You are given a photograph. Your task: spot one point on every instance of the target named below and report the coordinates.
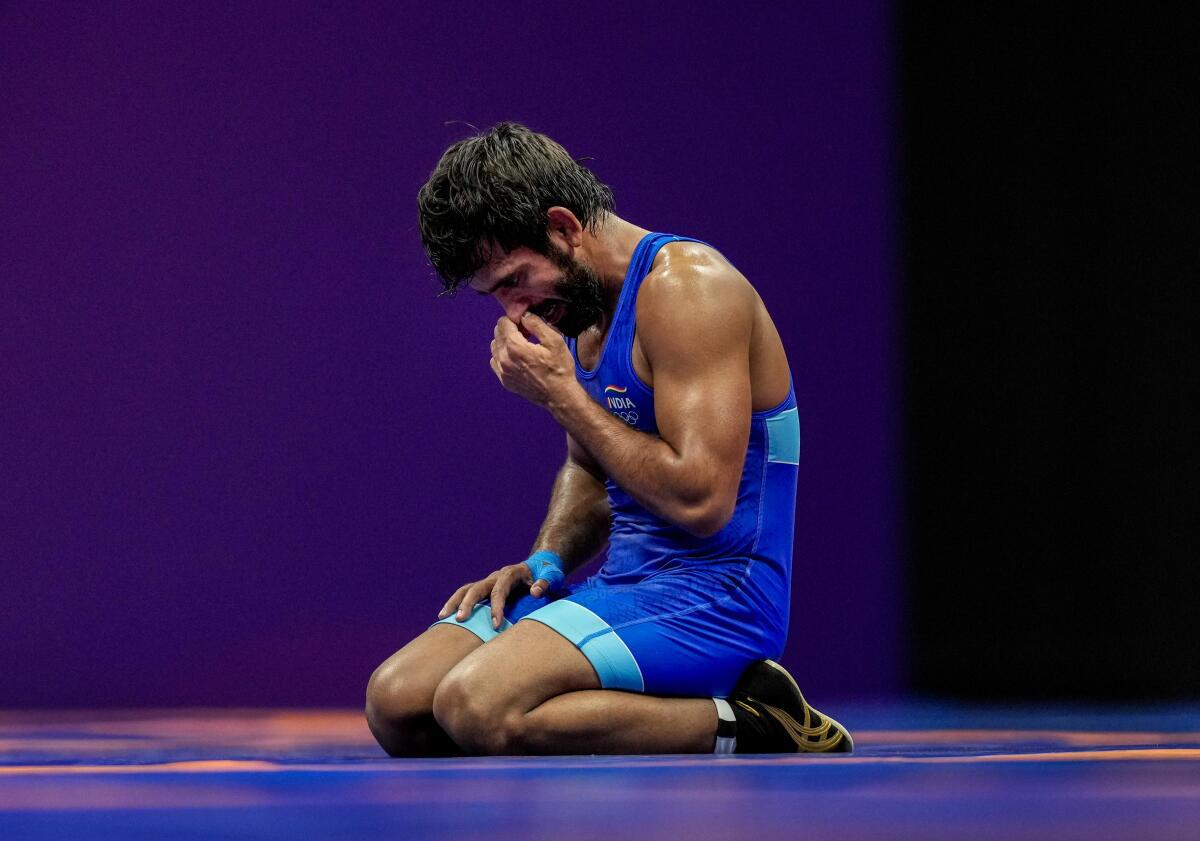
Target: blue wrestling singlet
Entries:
(669, 613)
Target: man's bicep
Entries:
(703, 412)
(699, 351)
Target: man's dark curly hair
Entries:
(495, 188)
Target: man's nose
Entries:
(514, 308)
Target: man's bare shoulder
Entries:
(697, 277)
(692, 294)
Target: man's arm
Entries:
(576, 528)
(695, 330)
(578, 518)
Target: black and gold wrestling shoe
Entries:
(773, 717)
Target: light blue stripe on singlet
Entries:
(610, 657)
(478, 623)
(783, 438)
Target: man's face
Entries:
(558, 289)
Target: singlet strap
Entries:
(639, 267)
(620, 330)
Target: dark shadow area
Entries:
(1050, 235)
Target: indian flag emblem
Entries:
(614, 398)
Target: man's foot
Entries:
(773, 717)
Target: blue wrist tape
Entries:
(547, 567)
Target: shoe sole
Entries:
(849, 740)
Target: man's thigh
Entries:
(685, 635)
(521, 668)
(407, 680)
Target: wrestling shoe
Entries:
(773, 717)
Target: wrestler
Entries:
(659, 360)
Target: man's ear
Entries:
(564, 227)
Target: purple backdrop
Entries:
(246, 453)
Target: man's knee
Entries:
(396, 693)
(469, 715)
(399, 710)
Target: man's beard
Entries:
(579, 294)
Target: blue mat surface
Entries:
(925, 771)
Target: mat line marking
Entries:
(262, 766)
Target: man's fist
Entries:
(540, 372)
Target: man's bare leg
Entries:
(400, 692)
(612, 721)
(531, 691)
